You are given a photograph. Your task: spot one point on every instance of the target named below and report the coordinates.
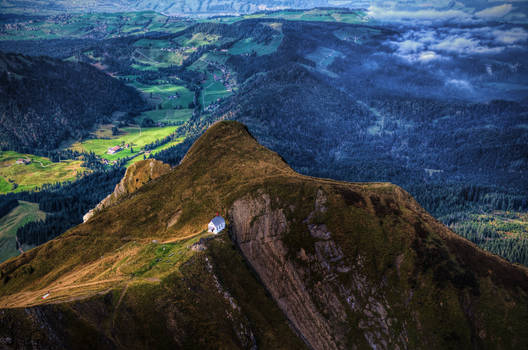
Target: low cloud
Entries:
(408, 46)
(464, 45)
(460, 84)
(417, 11)
(495, 12)
(432, 44)
(429, 14)
(510, 36)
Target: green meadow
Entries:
(213, 89)
(136, 137)
(25, 212)
(166, 115)
(168, 95)
(249, 45)
(316, 15)
(154, 151)
(105, 25)
(40, 171)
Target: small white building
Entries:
(216, 225)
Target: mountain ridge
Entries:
(348, 265)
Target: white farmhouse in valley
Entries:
(216, 225)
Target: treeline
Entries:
(468, 210)
(65, 204)
(173, 155)
(513, 249)
(6, 205)
(451, 201)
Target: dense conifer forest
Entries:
(65, 204)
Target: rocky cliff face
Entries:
(332, 294)
(308, 287)
(136, 176)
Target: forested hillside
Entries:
(65, 204)
(44, 101)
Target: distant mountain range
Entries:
(438, 9)
(166, 6)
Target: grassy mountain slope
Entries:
(348, 265)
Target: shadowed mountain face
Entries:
(44, 101)
(306, 262)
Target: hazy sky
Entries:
(463, 10)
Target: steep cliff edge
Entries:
(135, 176)
(363, 266)
(341, 265)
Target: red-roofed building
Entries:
(114, 149)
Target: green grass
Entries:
(135, 136)
(40, 171)
(109, 25)
(156, 260)
(9, 224)
(112, 25)
(166, 115)
(154, 58)
(155, 150)
(318, 15)
(5, 186)
(198, 39)
(207, 59)
(168, 95)
(248, 45)
(213, 90)
(143, 68)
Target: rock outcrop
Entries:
(309, 288)
(135, 177)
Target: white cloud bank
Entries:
(495, 11)
(446, 10)
(510, 36)
(394, 14)
(464, 45)
(428, 45)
